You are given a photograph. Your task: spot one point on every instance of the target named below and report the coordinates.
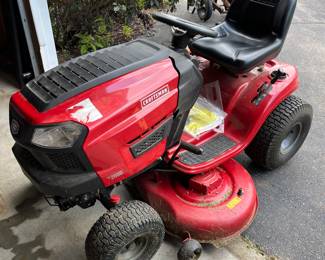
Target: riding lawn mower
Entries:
(117, 116)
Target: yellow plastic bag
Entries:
(203, 117)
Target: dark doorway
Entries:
(14, 54)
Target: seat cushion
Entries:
(237, 52)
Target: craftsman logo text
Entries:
(154, 96)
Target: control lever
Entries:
(277, 74)
(191, 148)
(264, 90)
(186, 146)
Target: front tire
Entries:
(282, 134)
(132, 230)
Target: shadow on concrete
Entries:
(26, 210)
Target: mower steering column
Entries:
(191, 28)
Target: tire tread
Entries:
(261, 148)
(116, 225)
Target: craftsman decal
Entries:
(155, 95)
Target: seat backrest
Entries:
(260, 18)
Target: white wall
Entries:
(42, 22)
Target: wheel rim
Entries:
(202, 12)
(291, 139)
(134, 249)
(197, 253)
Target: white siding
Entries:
(44, 33)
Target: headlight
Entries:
(60, 136)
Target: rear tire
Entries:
(131, 230)
(205, 10)
(282, 134)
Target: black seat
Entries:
(253, 33)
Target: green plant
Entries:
(100, 38)
(127, 31)
(80, 26)
(172, 4)
(119, 8)
(141, 4)
(100, 25)
(88, 43)
(102, 35)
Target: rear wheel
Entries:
(282, 134)
(205, 9)
(132, 230)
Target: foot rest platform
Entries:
(213, 148)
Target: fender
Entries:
(244, 118)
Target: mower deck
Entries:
(215, 205)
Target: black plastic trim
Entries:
(57, 184)
(74, 77)
(44, 154)
(149, 141)
(189, 86)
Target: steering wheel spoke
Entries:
(191, 28)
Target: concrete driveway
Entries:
(291, 220)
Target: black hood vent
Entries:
(82, 73)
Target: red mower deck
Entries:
(215, 205)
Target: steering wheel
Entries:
(191, 28)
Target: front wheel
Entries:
(190, 250)
(282, 134)
(132, 230)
